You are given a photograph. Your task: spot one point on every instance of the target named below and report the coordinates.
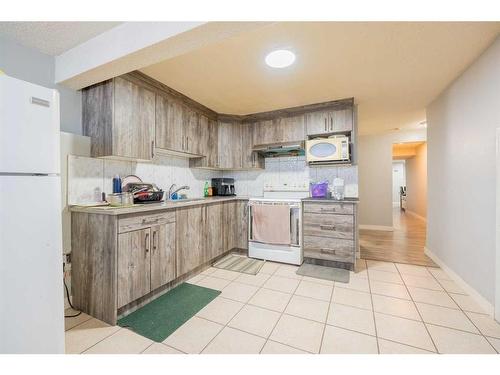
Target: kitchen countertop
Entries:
(151, 207)
(331, 200)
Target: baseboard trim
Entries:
(473, 293)
(377, 227)
(414, 214)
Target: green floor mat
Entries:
(160, 318)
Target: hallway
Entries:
(404, 245)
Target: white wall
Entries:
(375, 175)
(462, 123)
(35, 67)
(416, 182)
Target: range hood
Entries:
(281, 149)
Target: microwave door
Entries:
(322, 150)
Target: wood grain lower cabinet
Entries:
(120, 260)
(242, 225)
(134, 265)
(213, 232)
(189, 238)
(162, 255)
(330, 233)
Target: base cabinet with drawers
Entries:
(119, 261)
(330, 234)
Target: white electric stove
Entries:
(285, 253)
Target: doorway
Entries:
(406, 243)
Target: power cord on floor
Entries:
(69, 300)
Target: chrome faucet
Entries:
(171, 191)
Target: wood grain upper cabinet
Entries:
(208, 145)
(266, 132)
(291, 128)
(325, 122)
(193, 138)
(230, 143)
(189, 238)
(169, 124)
(119, 117)
(162, 254)
(250, 158)
(133, 265)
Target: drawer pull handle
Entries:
(145, 221)
(327, 227)
(328, 251)
(328, 209)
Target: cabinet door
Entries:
(189, 239)
(133, 120)
(133, 265)
(162, 254)
(192, 135)
(208, 130)
(266, 132)
(250, 159)
(242, 224)
(341, 120)
(213, 233)
(292, 128)
(318, 122)
(230, 225)
(230, 155)
(169, 124)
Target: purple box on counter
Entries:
(319, 190)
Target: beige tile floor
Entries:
(386, 308)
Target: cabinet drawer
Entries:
(328, 225)
(129, 223)
(329, 208)
(329, 249)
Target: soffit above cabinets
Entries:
(393, 69)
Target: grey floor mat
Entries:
(325, 273)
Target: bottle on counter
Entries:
(117, 184)
(205, 190)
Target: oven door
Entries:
(294, 216)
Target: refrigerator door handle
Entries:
(38, 101)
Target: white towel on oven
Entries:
(271, 224)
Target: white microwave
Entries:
(328, 150)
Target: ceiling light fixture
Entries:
(280, 58)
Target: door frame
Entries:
(497, 229)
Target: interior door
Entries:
(134, 265)
(162, 254)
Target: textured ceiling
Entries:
(53, 38)
(392, 69)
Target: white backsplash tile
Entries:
(88, 177)
(85, 179)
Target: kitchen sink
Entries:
(184, 200)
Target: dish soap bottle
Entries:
(205, 190)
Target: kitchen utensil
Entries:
(120, 199)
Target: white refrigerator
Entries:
(31, 288)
